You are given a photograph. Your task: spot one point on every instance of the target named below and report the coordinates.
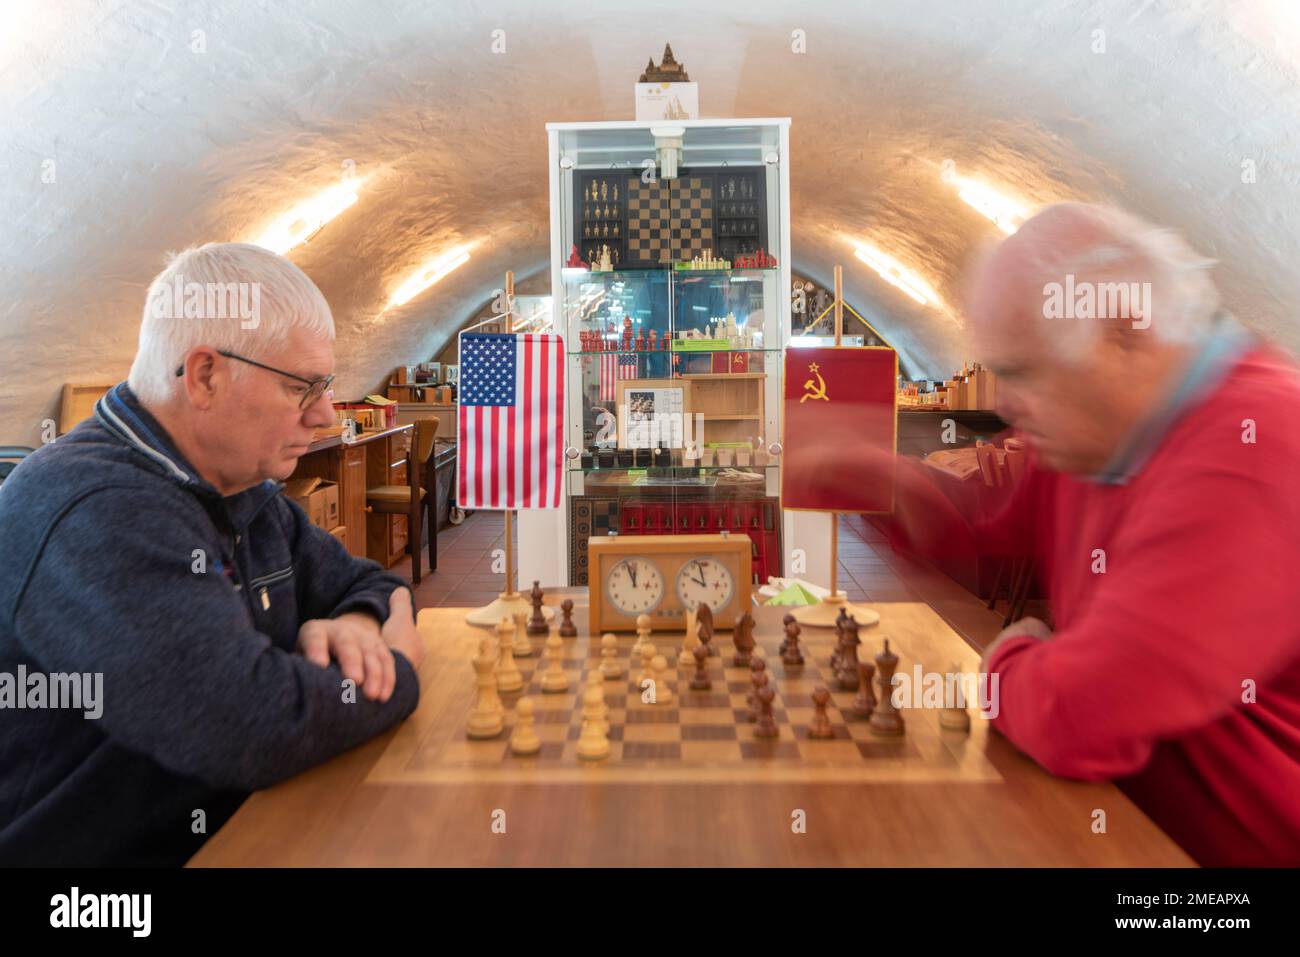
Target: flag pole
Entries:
(510, 602)
(825, 612)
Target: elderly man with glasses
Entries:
(236, 643)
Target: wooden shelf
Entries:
(717, 417)
(725, 375)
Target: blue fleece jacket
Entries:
(117, 558)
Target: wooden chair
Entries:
(418, 499)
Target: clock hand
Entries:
(700, 569)
(631, 571)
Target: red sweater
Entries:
(1144, 677)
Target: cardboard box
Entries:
(667, 101)
(310, 498)
(341, 533)
(329, 492)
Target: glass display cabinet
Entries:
(670, 283)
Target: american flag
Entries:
(511, 421)
(615, 366)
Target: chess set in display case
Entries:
(672, 294)
(718, 213)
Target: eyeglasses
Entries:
(315, 387)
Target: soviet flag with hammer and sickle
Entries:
(840, 407)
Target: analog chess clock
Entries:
(663, 575)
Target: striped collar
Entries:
(120, 412)
(1227, 342)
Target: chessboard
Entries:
(669, 220)
(698, 736)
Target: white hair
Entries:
(232, 296)
(1109, 247)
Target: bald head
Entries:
(1082, 313)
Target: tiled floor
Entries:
(869, 571)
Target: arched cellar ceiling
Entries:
(156, 146)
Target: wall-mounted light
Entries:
(896, 274)
(1004, 212)
(427, 275)
(305, 220)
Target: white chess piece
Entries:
(659, 672)
(487, 717)
(509, 677)
(524, 741)
(647, 655)
(523, 648)
(593, 745)
(594, 680)
(609, 666)
(554, 680)
(687, 658)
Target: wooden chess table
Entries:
(688, 783)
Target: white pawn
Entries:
(509, 677)
(687, 658)
(554, 680)
(659, 669)
(610, 667)
(594, 680)
(525, 740)
(642, 633)
(523, 648)
(593, 745)
(647, 655)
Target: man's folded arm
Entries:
(187, 679)
(1174, 632)
(330, 580)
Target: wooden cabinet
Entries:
(378, 459)
(352, 497)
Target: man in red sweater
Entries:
(1160, 509)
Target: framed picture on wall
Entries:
(451, 374)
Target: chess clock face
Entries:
(704, 581)
(634, 586)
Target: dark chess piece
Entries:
(537, 623)
(704, 616)
(765, 727)
(821, 722)
(885, 719)
(786, 620)
(701, 680)
(758, 677)
(567, 627)
(848, 672)
(742, 636)
(840, 619)
(865, 702)
(792, 656)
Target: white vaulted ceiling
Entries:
(157, 147)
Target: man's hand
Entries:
(1025, 626)
(399, 630)
(355, 640)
